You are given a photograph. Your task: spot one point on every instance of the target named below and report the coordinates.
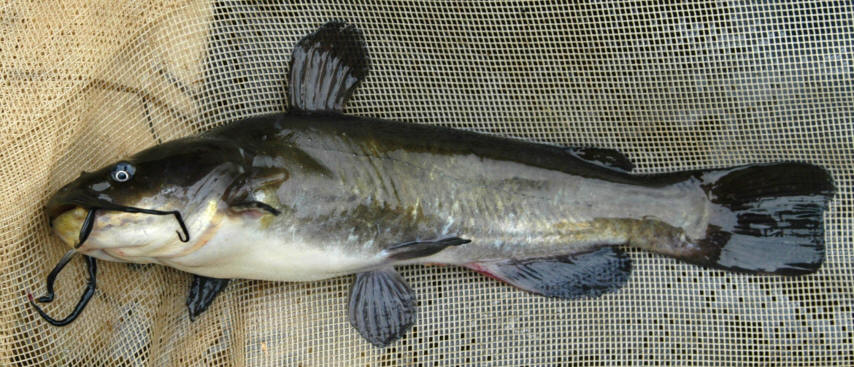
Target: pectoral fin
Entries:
(413, 249)
(248, 205)
(381, 306)
(573, 276)
(203, 290)
(326, 66)
(256, 191)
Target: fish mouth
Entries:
(71, 214)
(66, 200)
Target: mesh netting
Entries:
(692, 85)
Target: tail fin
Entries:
(767, 218)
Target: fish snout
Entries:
(59, 203)
(67, 210)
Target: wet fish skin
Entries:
(349, 188)
(374, 182)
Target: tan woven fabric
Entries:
(691, 85)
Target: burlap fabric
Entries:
(680, 86)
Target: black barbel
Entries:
(51, 278)
(85, 230)
(84, 299)
(177, 214)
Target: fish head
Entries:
(138, 204)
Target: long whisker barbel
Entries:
(85, 230)
(183, 235)
(130, 209)
(177, 214)
(84, 299)
(51, 278)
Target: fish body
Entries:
(349, 188)
(313, 194)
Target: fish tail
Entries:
(765, 219)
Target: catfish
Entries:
(313, 194)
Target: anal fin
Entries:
(381, 306)
(571, 276)
(203, 290)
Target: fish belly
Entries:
(241, 249)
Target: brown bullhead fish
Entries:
(313, 194)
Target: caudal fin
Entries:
(766, 219)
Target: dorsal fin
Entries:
(326, 66)
(610, 158)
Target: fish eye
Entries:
(122, 172)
